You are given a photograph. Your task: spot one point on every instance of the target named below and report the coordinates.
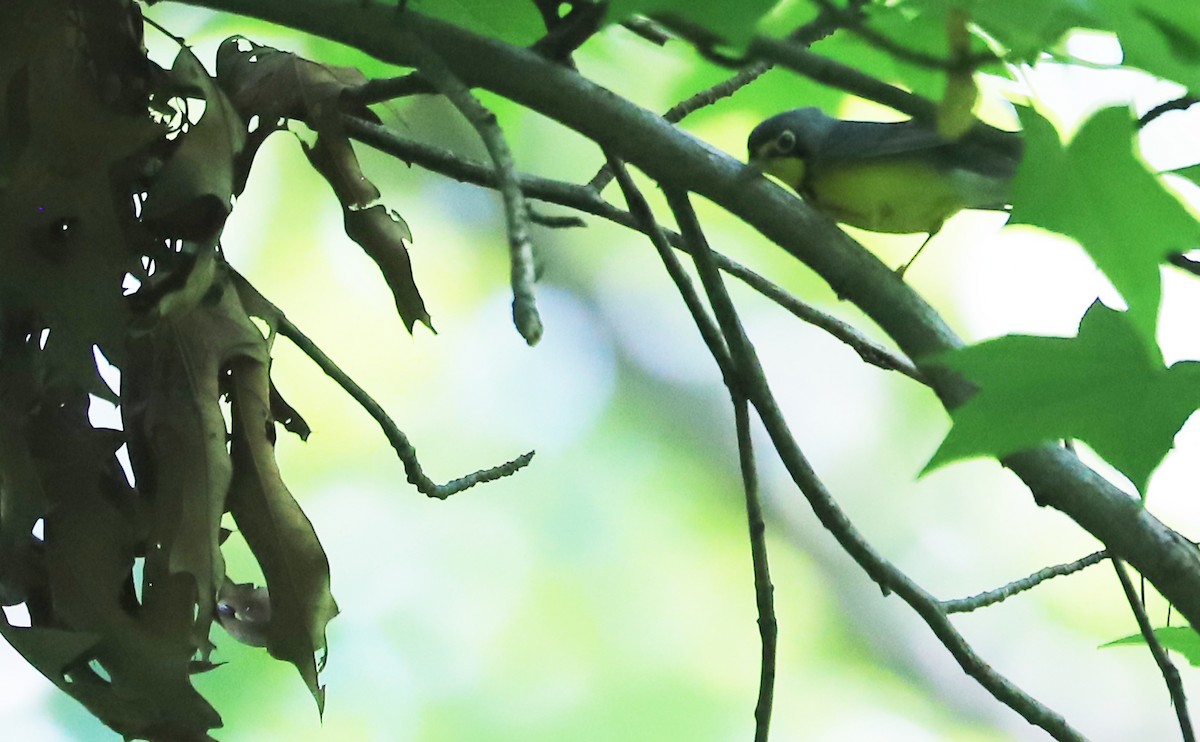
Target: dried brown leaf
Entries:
(178, 439)
(278, 532)
(189, 197)
(274, 84)
(380, 232)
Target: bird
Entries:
(897, 178)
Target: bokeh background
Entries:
(605, 593)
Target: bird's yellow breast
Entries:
(897, 196)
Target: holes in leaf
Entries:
(39, 529)
(139, 571)
(130, 284)
(43, 338)
(103, 414)
(194, 110)
(263, 326)
(365, 207)
(252, 124)
(88, 674)
(180, 114)
(126, 465)
(227, 413)
(95, 666)
(108, 372)
(17, 616)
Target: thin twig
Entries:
(816, 29)
(852, 21)
(555, 221)
(1180, 260)
(388, 88)
(694, 103)
(867, 349)
(568, 33)
(764, 591)
(1004, 592)
(587, 200)
(647, 29)
(640, 209)
(844, 77)
(721, 90)
(1181, 103)
(887, 575)
(520, 246)
(1169, 672)
(768, 627)
(396, 437)
(841, 76)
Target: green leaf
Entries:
(733, 22)
(1162, 38)
(1191, 172)
(1106, 387)
(1024, 27)
(787, 16)
(1098, 192)
(514, 21)
(1158, 37)
(1181, 639)
(915, 26)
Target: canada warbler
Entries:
(900, 178)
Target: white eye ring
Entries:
(785, 142)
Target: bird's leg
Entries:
(904, 268)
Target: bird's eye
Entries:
(785, 142)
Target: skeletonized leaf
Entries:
(191, 193)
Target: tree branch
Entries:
(587, 200)
(279, 322)
(1182, 103)
(768, 627)
(1004, 592)
(764, 591)
(835, 520)
(1055, 476)
(443, 79)
(709, 331)
(1169, 672)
